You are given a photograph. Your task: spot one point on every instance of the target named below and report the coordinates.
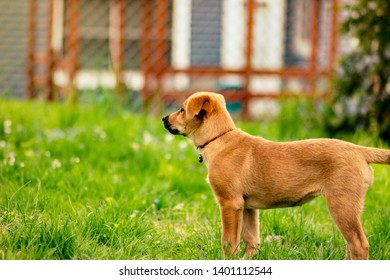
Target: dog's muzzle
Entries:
(167, 126)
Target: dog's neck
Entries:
(200, 147)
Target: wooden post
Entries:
(250, 7)
(334, 34)
(161, 38)
(313, 73)
(146, 50)
(48, 85)
(31, 34)
(117, 42)
(160, 62)
(72, 46)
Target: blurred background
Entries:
(155, 53)
(87, 169)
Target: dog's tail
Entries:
(375, 155)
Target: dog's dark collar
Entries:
(212, 140)
(208, 142)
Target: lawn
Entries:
(96, 181)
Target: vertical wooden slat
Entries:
(117, 41)
(146, 50)
(31, 34)
(312, 74)
(334, 34)
(162, 33)
(160, 63)
(72, 45)
(49, 64)
(250, 7)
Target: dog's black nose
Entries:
(165, 122)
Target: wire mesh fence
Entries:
(12, 47)
(252, 51)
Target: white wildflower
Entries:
(183, 145)
(271, 238)
(100, 132)
(74, 160)
(11, 158)
(135, 146)
(54, 134)
(168, 156)
(7, 123)
(169, 138)
(56, 164)
(134, 214)
(7, 126)
(21, 164)
(58, 134)
(148, 138)
(47, 154)
(2, 144)
(179, 206)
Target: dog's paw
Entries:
(251, 252)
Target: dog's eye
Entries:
(181, 110)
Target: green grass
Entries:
(98, 182)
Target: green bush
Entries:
(361, 84)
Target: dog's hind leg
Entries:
(250, 232)
(346, 211)
(232, 217)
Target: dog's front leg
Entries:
(232, 216)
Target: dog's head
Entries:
(202, 115)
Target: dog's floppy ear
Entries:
(198, 106)
(221, 99)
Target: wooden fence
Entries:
(153, 34)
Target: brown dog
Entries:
(247, 173)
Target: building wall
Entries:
(13, 43)
(13, 19)
(206, 33)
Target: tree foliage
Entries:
(362, 81)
